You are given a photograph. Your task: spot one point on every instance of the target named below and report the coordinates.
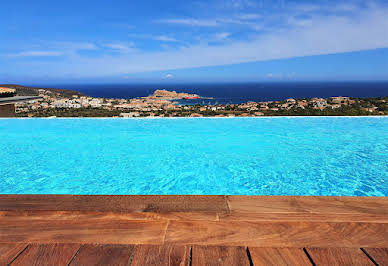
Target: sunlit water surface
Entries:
(339, 156)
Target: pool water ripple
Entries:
(333, 156)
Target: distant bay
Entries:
(235, 93)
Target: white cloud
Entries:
(122, 48)
(345, 7)
(248, 16)
(366, 29)
(241, 4)
(165, 38)
(300, 22)
(169, 76)
(75, 46)
(337, 6)
(36, 54)
(325, 35)
(191, 22)
(54, 49)
(222, 35)
(212, 23)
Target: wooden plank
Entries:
(159, 203)
(379, 255)
(309, 204)
(279, 256)
(339, 256)
(278, 234)
(92, 216)
(48, 254)
(303, 216)
(9, 251)
(203, 255)
(161, 255)
(74, 231)
(173, 203)
(104, 255)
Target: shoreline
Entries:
(207, 117)
(164, 103)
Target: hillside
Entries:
(32, 91)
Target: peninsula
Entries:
(173, 95)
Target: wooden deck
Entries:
(192, 230)
(92, 254)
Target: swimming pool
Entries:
(341, 156)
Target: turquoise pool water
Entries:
(339, 156)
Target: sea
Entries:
(236, 93)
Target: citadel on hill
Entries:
(174, 95)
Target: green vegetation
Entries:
(71, 112)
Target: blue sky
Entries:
(201, 40)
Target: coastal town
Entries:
(164, 103)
